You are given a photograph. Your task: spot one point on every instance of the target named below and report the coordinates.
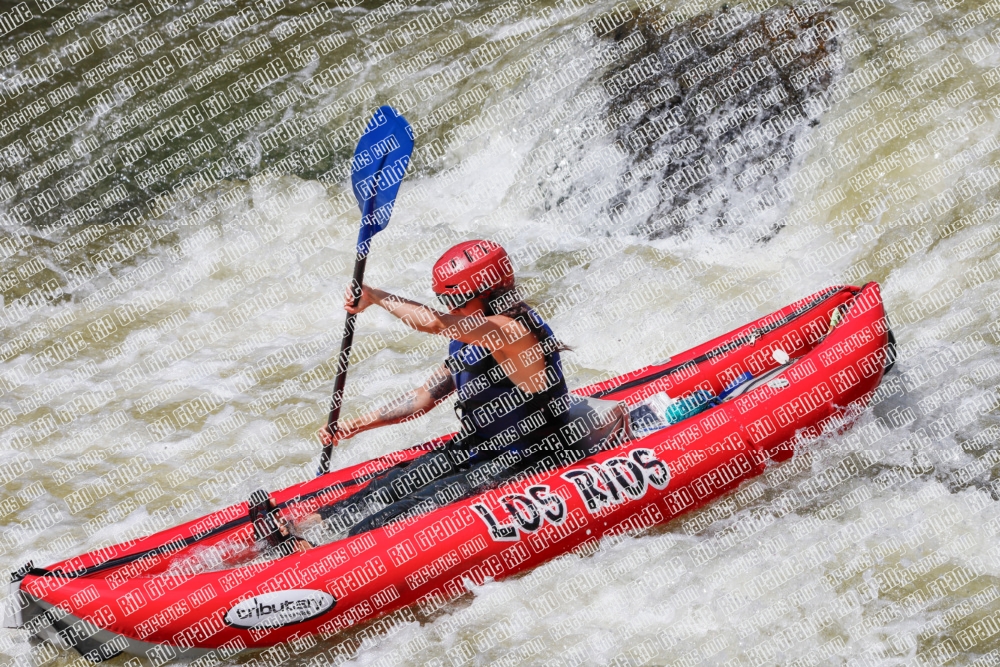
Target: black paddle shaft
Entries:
(342, 362)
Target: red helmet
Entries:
(472, 268)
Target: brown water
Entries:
(169, 365)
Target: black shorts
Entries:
(431, 481)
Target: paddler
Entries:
(503, 363)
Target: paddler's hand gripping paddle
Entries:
(378, 167)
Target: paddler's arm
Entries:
(411, 404)
(481, 331)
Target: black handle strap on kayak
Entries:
(163, 549)
(21, 572)
(176, 545)
(338, 486)
(725, 348)
(891, 351)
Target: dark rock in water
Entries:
(716, 105)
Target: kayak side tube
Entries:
(430, 558)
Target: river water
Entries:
(177, 230)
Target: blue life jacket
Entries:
(492, 408)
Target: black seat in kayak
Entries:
(597, 424)
(265, 524)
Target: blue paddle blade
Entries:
(380, 161)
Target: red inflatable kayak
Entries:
(139, 598)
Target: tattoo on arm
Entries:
(405, 406)
(440, 384)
